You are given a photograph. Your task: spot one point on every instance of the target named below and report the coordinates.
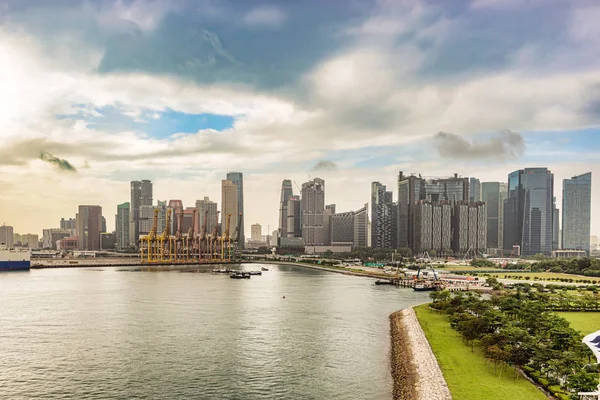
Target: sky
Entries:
(94, 94)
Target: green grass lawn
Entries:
(585, 322)
(468, 375)
(546, 275)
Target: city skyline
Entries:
(89, 107)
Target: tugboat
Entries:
(255, 273)
(240, 275)
(264, 269)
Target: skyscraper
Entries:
(256, 232)
(361, 227)
(287, 191)
(141, 195)
(342, 228)
(493, 195)
(410, 190)
(474, 190)
(211, 217)
(89, 224)
(385, 217)
(452, 189)
(237, 178)
(229, 205)
(313, 208)
(470, 228)
(6, 236)
(576, 208)
(327, 214)
(529, 211)
(555, 225)
(294, 217)
(122, 225)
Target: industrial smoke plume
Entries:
(59, 162)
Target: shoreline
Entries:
(416, 374)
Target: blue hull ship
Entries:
(14, 265)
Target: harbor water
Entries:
(117, 333)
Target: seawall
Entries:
(415, 370)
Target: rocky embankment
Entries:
(415, 371)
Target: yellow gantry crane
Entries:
(189, 247)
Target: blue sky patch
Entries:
(156, 124)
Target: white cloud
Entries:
(265, 17)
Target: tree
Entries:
(328, 254)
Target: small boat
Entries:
(383, 282)
(240, 275)
(221, 271)
(255, 273)
(264, 269)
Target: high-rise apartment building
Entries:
(89, 224)
(529, 211)
(342, 228)
(6, 236)
(361, 227)
(31, 241)
(229, 205)
(577, 208)
(287, 191)
(53, 235)
(237, 178)
(70, 223)
(432, 222)
(256, 232)
(474, 190)
(122, 226)
(470, 228)
(203, 207)
(313, 208)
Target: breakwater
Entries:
(415, 371)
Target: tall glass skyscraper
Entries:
(529, 211)
(286, 193)
(238, 180)
(576, 208)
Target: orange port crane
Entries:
(164, 239)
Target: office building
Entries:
(89, 224)
(361, 227)
(6, 236)
(555, 226)
(70, 224)
(108, 241)
(577, 208)
(294, 217)
(207, 208)
(454, 189)
(287, 192)
(493, 195)
(122, 226)
(411, 189)
(474, 190)
(342, 228)
(52, 235)
(529, 212)
(327, 214)
(237, 178)
(313, 208)
(229, 205)
(141, 195)
(256, 232)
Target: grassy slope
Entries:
(467, 374)
(585, 322)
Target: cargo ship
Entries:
(13, 260)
